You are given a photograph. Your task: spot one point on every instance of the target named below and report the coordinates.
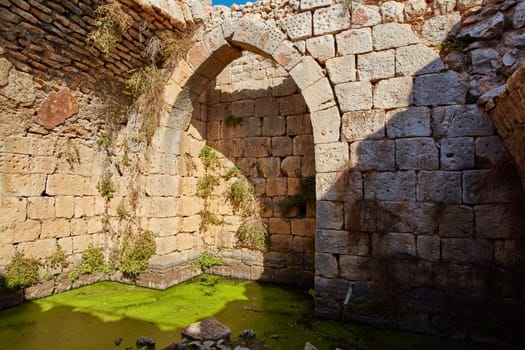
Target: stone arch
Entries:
(222, 44)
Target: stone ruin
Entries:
(408, 114)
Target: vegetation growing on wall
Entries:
(137, 248)
(241, 196)
(112, 21)
(253, 234)
(22, 271)
(207, 261)
(105, 186)
(306, 194)
(206, 184)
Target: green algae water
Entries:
(93, 317)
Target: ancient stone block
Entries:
(39, 249)
(281, 243)
(439, 89)
(506, 253)
(390, 186)
(341, 69)
(22, 184)
(56, 228)
(326, 125)
(311, 4)
(392, 35)
(306, 72)
(58, 107)
(467, 120)
(417, 153)
(279, 225)
(331, 157)
(455, 220)
(437, 29)
(257, 146)
(489, 151)
(266, 107)
(354, 96)
(20, 88)
(243, 108)
(331, 19)
(303, 145)
(393, 93)
(41, 208)
(354, 41)
(298, 125)
(376, 65)
(287, 55)
(321, 48)
(365, 15)
(264, 37)
(394, 244)
(428, 247)
(159, 207)
(293, 104)
(291, 166)
(392, 11)
(326, 265)
(417, 59)
(16, 232)
(303, 227)
(319, 96)
(276, 186)
(360, 125)
(330, 186)
(298, 26)
(269, 166)
(330, 215)
(439, 186)
(372, 155)
(490, 28)
(494, 221)
(485, 61)
(5, 68)
(462, 250)
(342, 242)
(408, 122)
(281, 146)
(6, 252)
(457, 153)
(355, 268)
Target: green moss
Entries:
(231, 120)
(22, 272)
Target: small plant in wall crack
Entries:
(112, 21)
(22, 271)
(136, 251)
(253, 234)
(231, 120)
(207, 261)
(209, 158)
(105, 186)
(207, 219)
(241, 196)
(206, 184)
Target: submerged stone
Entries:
(208, 329)
(145, 341)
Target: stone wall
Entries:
(419, 208)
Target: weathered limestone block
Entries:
(330, 215)
(416, 218)
(372, 155)
(166, 245)
(341, 69)
(485, 61)
(462, 250)
(319, 96)
(169, 226)
(439, 186)
(393, 93)
(79, 227)
(298, 26)
(518, 19)
(5, 68)
(55, 228)
(40, 290)
(281, 243)
(494, 221)
(408, 122)
(360, 125)
(326, 125)
(276, 187)
(41, 208)
(390, 186)
(58, 107)
(23, 185)
(20, 88)
(281, 146)
(311, 4)
(303, 227)
(376, 65)
(268, 107)
(455, 220)
(342, 242)
(162, 185)
(415, 8)
(394, 244)
(480, 187)
(95, 225)
(505, 253)
(457, 153)
(365, 15)
(331, 19)
(330, 157)
(439, 89)
(306, 72)
(326, 265)
(428, 247)
(257, 146)
(287, 55)
(468, 120)
(16, 232)
(298, 125)
(264, 38)
(392, 11)
(39, 249)
(355, 268)
(437, 29)
(270, 166)
(392, 35)
(291, 166)
(354, 41)
(244, 108)
(279, 225)
(417, 153)
(159, 207)
(354, 96)
(489, 151)
(321, 48)
(464, 5)
(293, 104)
(417, 59)
(84, 206)
(6, 252)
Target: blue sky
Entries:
(227, 2)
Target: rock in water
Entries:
(247, 333)
(208, 329)
(145, 341)
(309, 346)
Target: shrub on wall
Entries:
(111, 22)
(253, 234)
(22, 272)
(136, 251)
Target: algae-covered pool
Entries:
(93, 317)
